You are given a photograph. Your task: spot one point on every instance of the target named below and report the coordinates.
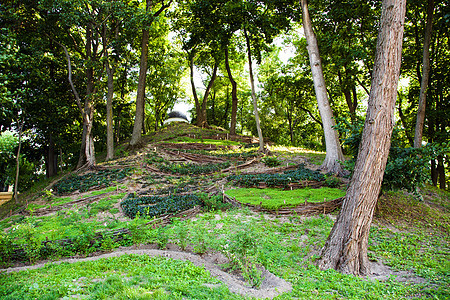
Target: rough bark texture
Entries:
(255, 103)
(346, 247)
(425, 76)
(333, 148)
(234, 99)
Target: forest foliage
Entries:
(207, 38)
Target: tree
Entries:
(346, 246)
(252, 84)
(140, 101)
(333, 148)
(425, 76)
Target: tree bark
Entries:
(52, 159)
(333, 148)
(140, 96)
(204, 120)
(109, 100)
(234, 99)
(425, 77)
(255, 103)
(194, 90)
(16, 185)
(346, 246)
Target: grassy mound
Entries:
(275, 198)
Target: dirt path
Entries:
(271, 286)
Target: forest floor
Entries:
(79, 236)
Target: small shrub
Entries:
(215, 203)
(271, 161)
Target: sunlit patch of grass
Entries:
(124, 277)
(276, 198)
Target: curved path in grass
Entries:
(271, 286)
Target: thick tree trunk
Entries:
(346, 246)
(255, 103)
(234, 99)
(140, 96)
(425, 76)
(333, 148)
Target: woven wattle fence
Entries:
(302, 209)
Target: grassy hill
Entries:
(169, 194)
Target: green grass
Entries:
(275, 198)
(124, 277)
(284, 247)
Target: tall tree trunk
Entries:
(16, 185)
(109, 114)
(109, 99)
(52, 158)
(441, 172)
(194, 90)
(204, 120)
(255, 103)
(425, 77)
(333, 148)
(346, 246)
(234, 99)
(140, 96)
(88, 102)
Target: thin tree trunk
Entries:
(88, 102)
(204, 122)
(194, 90)
(52, 159)
(425, 77)
(234, 99)
(109, 99)
(16, 185)
(441, 172)
(255, 103)
(140, 96)
(346, 246)
(333, 148)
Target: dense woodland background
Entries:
(73, 77)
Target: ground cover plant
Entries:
(158, 205)
(286, 246)
(191, 168)
(278, 179)
(85, 182)
(274, 198)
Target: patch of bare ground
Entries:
(271, 286)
